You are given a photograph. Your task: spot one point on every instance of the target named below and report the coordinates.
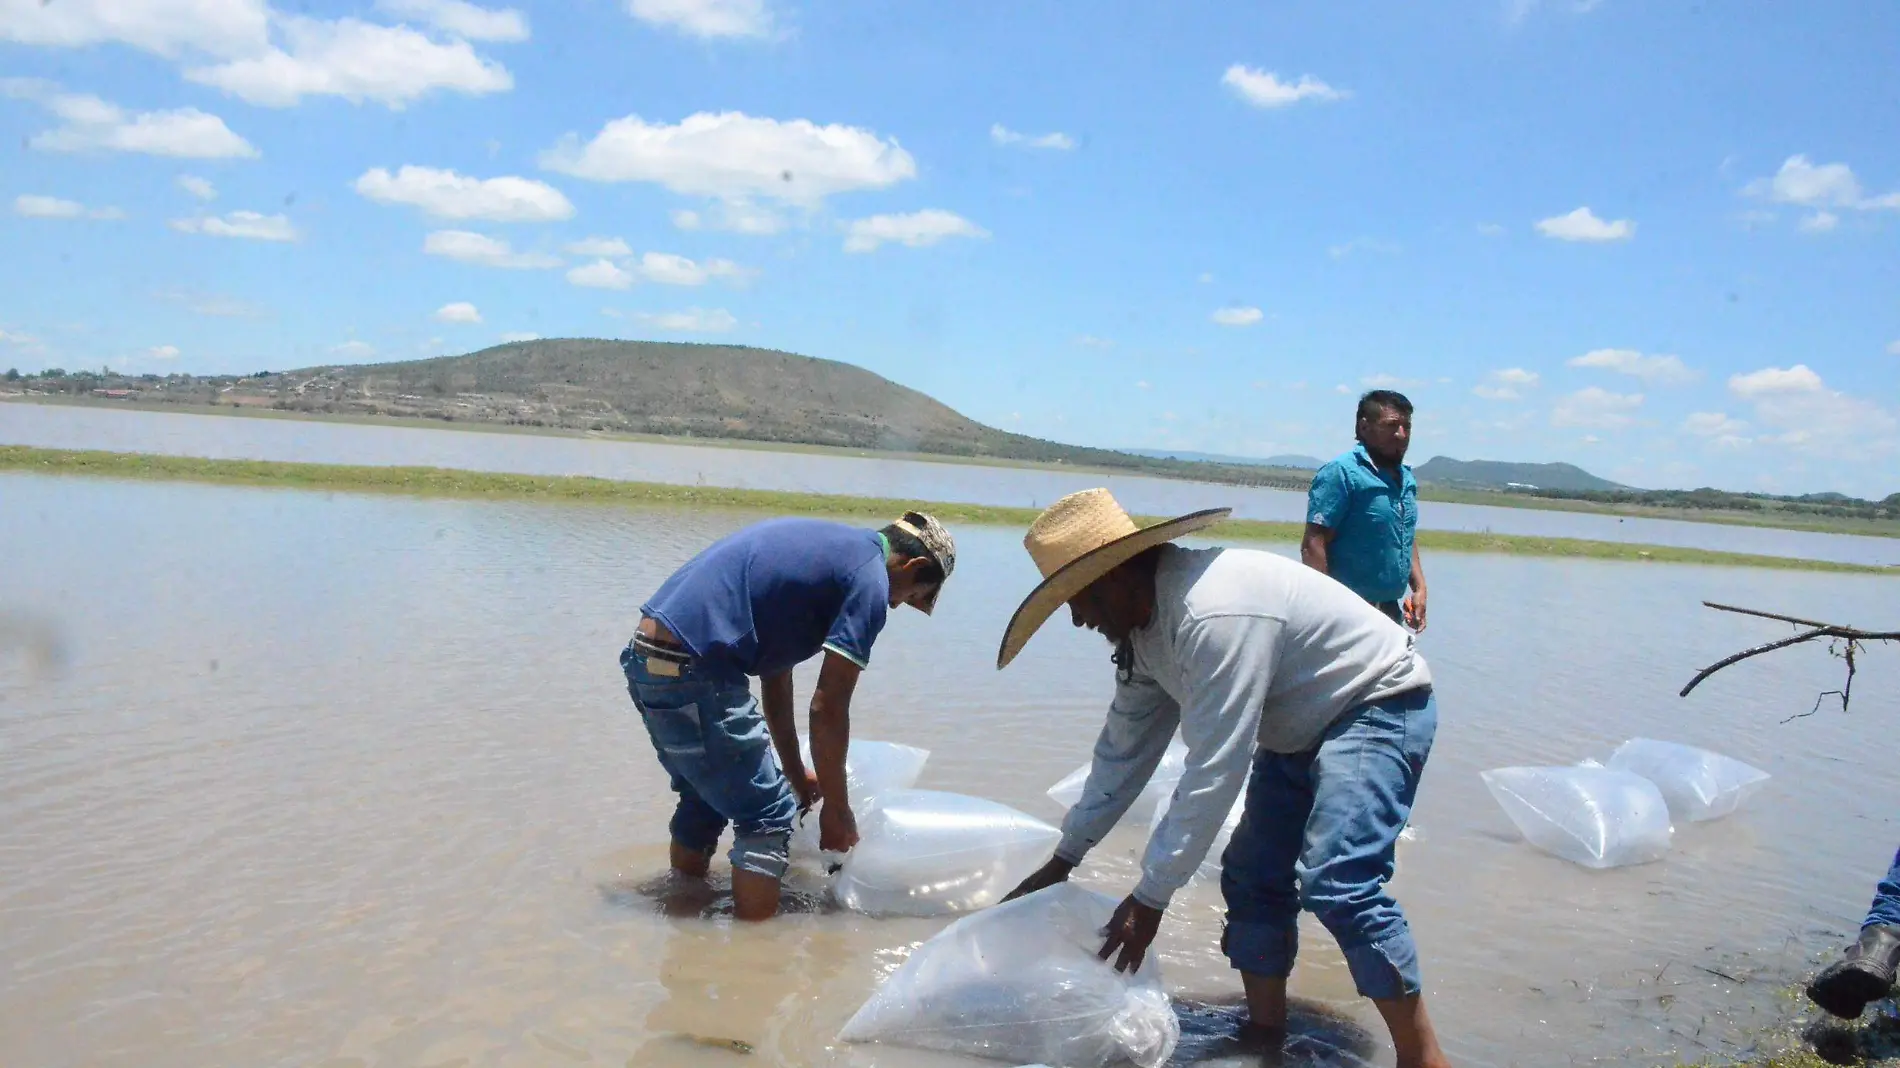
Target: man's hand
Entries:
(806, 787)
(1132, 930)
(837, 828)
(1056, 871)
(1415, 610)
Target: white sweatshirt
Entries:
(1245, 649)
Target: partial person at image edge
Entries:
(1362, 513)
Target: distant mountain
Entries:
(1292, 460)
(1496, 474)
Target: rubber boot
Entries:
(1863, 975)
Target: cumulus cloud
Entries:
(1657, 370)
(358, 61)
(34, 206)
(735, 156)
(1810, 185)
(252, 225)
(1491, 230)
(1057, 141)
(1237, 316)
(198, 187)
(734, 215)
(1820, 222)
(1583, 225)
(444, 194)
(1773, 380)
(163, 352)
(464, 246)
(1264, 89)
(662, 268)
(601, 274)
(163, 27)
(353, 350)
(95, 125)
(1597, 409)
(917, 229)
(706, 18)
(691, 320)
(462, 19)
(1809, 416)
(460, 311)
(1507, 384)
(599, 246)
(513, 336)
(1718, 428)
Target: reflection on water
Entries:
(340, 780)
(233, 437)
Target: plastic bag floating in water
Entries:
(1697, 784)
(1594, 816)
(871, 769)
(928, 853)
(1167, 776)
(1021, 982)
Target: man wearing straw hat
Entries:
(757, 603)
(1282, 682)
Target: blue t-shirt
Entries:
(769, 597)
(1373, 516)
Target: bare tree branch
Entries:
(1851, 636)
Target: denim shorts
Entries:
(1320, 832)
(712, 740)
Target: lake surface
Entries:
(354, 781)
(231, 437)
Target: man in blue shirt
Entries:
(757, 603)
(1362, 513)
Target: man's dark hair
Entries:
(1375, 401)
(906, 545)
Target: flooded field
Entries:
(319, 779)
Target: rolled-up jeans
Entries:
(1886, 907)
(1320, 832)
(712, 741)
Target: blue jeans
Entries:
(1320, 832)
(712, 740)
(1886, 906)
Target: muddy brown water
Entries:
(339, 780)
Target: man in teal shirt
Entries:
(1362, 513)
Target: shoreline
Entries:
(1428, 492)
(580, 489)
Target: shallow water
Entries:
(229, 437)
(343, 780)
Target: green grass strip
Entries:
(580, 489)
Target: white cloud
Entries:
(1770, 380)
(1264, 89)
(519, 335)
(1583, 225)
(1058, 141)
(353, 350)
(95, 125)
(734, 215)
(1382, 380)
(687, 219)
(1366, 244)
(1820, 222)
(245, 224)
(1237, 316)
(1516, 376)
(706, 18)
(600, 274)
(734, 155)
(444, 194)
(462, 19)
(916, 229)
(34, 206)
(1507, 384)
(464, 246)
(1143, 385)
(691, 320)
(1596, 408)
(1893, 348)
(212, 304)
(1207, 278)
(1491, 230)
(1657, 370)
(1497, 393)
(1089, 341)
(1799, 181)
(358, 61)
(163, 352)
(198, 187)
(1718, 427)
(599, 246)
(668, 269)
(163, 27)
(459, 312)
(17, 338)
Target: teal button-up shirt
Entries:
(1373, 516)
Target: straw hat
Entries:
(1077, 540)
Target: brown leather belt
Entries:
(664, 653)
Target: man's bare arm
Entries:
(1313, 547)
(830, 738)
(775, 695)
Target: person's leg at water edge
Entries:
(712, 741)
(1866, 972)
(1260, 885)
(1363, 778)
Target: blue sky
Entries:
(1657, 240)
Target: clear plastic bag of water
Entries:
(1067, 791)
(871, 769)
(1697, 784)
(930, 853)
(1021, 982)
(1594, 816)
